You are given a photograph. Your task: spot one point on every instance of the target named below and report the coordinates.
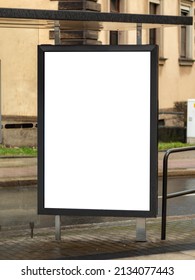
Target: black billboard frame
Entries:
(153, 132)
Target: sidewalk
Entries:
(23, 171)
(111, 240)
(106, 240)
(17, 171)
(179, 164)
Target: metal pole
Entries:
(140, 222)
(164, 197)
(139, 33)
(141, 229)
(57, 218)
(181, 193)
(57, 33)
(58, 228)
(164, 194)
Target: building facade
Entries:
(176, 46)
(18, 56)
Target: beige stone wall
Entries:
(18, 71)
(18, 81)
(176, 82)
(35, 4)
(18, 55)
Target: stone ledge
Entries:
(178, 173)
(186, 62)
(18, 182)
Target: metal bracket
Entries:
(57, 33)
(139, 34)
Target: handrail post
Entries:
(164, 186)
(164, 196)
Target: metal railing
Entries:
(172, 195)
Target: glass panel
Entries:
(183, 41)
(113, 37)
(184, 13)
(114, 6)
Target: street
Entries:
(18, 205)
(183, 205)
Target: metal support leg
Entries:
(57, 228)
(141, 229)
(140, 222)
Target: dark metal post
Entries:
(140, 222)
(164, 196)
(57, 33)
(164, 193)
(57, 217)
(31, 224)
(139, 34)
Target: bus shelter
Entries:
(96, 168)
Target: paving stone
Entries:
(114, 240)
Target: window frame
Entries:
(186, 37)
(114, 35)
(159, 34)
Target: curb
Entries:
(29, 181)
(18, 182)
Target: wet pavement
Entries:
(108, 239)
(111, 240)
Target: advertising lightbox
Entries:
(97, 130)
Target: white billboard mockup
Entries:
(97, 127)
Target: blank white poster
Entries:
(97, 130)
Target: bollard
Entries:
(31, 228)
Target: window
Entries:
(153, 32)
(114, 8)
(114, 38)
(183, 53)
(185, 42)
(156, 35)
(154, 9)
(186, 37)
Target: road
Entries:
(18, 205)
(184, 205)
